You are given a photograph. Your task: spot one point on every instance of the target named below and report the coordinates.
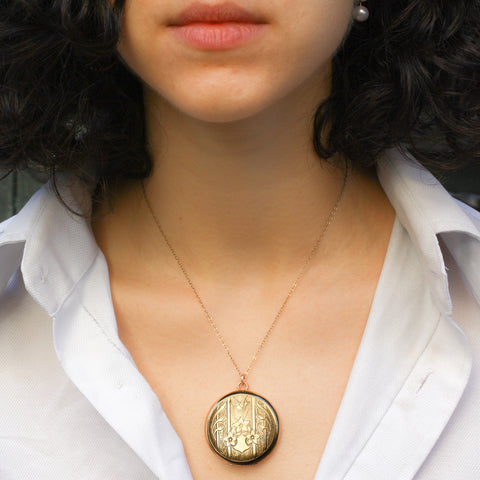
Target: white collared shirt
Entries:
(74, 406)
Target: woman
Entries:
(234, 208)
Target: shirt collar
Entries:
(53, 245)
(428, 213)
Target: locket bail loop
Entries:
(243, 385)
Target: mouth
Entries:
(227, 12)
(216, 27)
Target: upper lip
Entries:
(225, 12)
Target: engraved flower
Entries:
(231, 439)
(252, 438)
(241, 426)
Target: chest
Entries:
(302, 372)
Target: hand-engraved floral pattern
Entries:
(231, 439)
(242, 427)
(252, 437)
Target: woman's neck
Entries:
(240, 196)
(254, 188)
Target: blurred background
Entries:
(17, 188)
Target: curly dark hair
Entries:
(408, 77)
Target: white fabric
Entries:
(74, 406)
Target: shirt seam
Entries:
(104, 333)
(101, 329)
(69, 292)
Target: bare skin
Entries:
(304, 367)
(242, 197)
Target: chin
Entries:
(222, 115)
(219, 108)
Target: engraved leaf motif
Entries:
(218, 426)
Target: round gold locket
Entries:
(242, 427)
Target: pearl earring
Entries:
(360, 12)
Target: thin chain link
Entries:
(243, 375)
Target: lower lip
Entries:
(218, 36)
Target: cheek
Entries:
(318, 28)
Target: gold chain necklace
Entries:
(242, 427)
